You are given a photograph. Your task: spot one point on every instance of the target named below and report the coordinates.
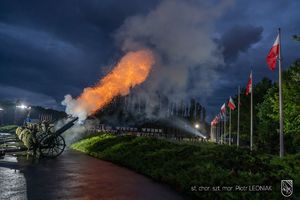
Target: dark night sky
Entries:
(54, 47)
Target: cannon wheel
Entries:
(52, 146)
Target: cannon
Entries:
(51, 144)
(41, 139)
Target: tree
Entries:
(259, 90)
(269, 113)
(268, 134)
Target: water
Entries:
(4, 134)
(74, 175)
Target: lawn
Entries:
(186, 167)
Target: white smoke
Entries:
(78, 130)
(73, 109)
(187, 57)
(180, 33)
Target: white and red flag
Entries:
(217, 118)
(220, 116)
(214, 122)
(231, 104)
(249, 85)
(223, 108)
(273, 54)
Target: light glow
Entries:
(23, 107)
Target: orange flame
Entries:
(132, 70)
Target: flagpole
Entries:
(221, 131)
(251, 122)
(223, 141)
(238, 122)
(281, 153)
(229, 127)
(211, 132)
(225, 118)
(215, 128)
(217, 133)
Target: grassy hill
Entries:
(187, 167)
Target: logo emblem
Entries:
(286, 188)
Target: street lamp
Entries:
(23, 107)
(197, 126)
(1, 116)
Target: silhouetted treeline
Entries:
(133, 110)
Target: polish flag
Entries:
(213, 122)
(220, 116)
(217, 118)
(223, 108)
(273, 54)
(249, 85)
(231, 104)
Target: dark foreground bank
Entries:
(201, 171)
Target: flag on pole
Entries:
(217, 118)
(273, 54)
(213, 122)
(231, 104)
(223, 108)
(220, 116)
(249, 85)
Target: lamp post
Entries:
(1, 117)
(24, 107)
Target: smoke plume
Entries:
(187, 58)
(180, 33)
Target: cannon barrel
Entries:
(66, 126)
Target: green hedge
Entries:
(185, 165)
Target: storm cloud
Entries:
(51, 48)
(239, 39)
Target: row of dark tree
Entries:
(134, 110)
(266, 113)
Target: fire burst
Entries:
(133, 69)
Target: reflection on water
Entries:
(12, 181)
(77, 176)
(4, 134)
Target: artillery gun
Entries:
(40, 138)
